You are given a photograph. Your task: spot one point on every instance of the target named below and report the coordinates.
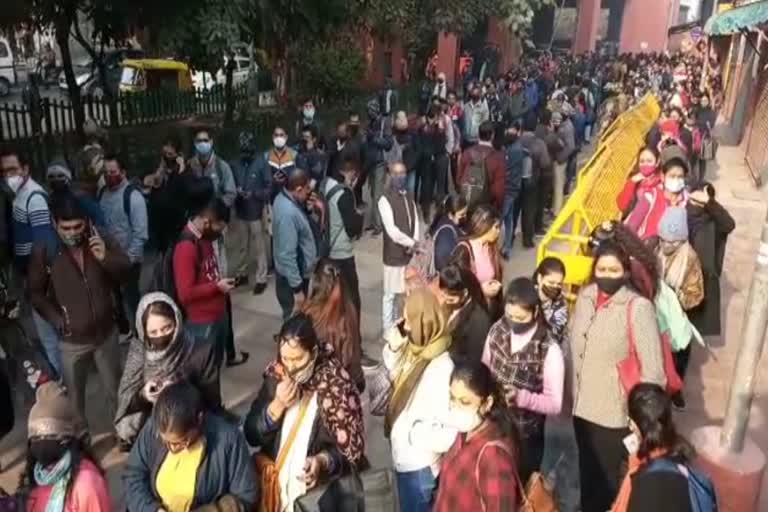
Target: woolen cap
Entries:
(673, 226)
(52, 414)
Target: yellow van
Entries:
(141, 75)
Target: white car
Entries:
(7, 69)
(203, 80)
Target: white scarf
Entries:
(291, 488)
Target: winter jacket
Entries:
(495, 166)
(220, 173)
(378, 140)
(254, 184)
(129, 228)
(537, 149)
(77, 300)
(515, 158)
(293, 241)
(567, 134)
(226, 468)
(474, 116)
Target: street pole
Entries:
(752, 339)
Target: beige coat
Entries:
(599, 340)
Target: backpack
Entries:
(163, 276)
(421, 269)
(320, 222)
(475, 188)
(700, 487)
(126, 197)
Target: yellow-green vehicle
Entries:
(143, 75)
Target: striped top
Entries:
(31, 221)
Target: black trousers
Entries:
(434, 181)
(531, 453)
(544, 198)
(348, 271)
(230, 345)
(602, 463)
(681, 360)
(525, 206)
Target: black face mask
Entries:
(609, 285)
(160, 342)
(48, 451)
(552, 292)
(521, 327)
(511, 138)
(59, 186)
(170, 162)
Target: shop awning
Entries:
(738, 19)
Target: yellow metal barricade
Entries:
(599, 182)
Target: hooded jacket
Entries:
(147, 371)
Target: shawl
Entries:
(429, 338)
(339, 406)
(674, 267)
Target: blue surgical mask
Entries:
(309, 113)
(398, 182)
(203, 148)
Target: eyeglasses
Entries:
(202, 140)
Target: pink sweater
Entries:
(89, 493)
(550, 400)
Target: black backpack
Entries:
(320, 222)
(126, 197)
(163, 276)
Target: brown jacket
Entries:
(57, 284)
(599, 340)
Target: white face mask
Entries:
(309, 113)
(279, 142)
(674, 185)
(465, 420)
(14, 183)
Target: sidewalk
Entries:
(709, 375)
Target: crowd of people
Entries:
(473, 363)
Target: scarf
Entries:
(429, 338)
(674, 267)
(58, 476)
(339, 406)
(625, 491)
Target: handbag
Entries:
(708, 148)
(379, 386)
(269, 470)
(630, 370)
(537, 495)
(370, 491)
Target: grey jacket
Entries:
(599, 340)
(567, 134)
(220, 173)
(474, 116)
(293, 241)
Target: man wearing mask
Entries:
(293, 241)
(475, 113)
(279, 161)
(402, 232)
(435, 141)
(125, 212)
(531, 201)
(518, 166)
(59, 179)
(200, 286)
(405, 150)
(71, 287)
(441, 87)
(311, 158)
(378, 141)
(251, 250)
(207, 164)
(309, 118)
(564, 130)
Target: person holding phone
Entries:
(71, 287)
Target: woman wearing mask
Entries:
(647, 212)
(162, 354)
(458, 291)
(679, 264)
(549, 278)
(485, 448)
(60, 475)
(644, 180)
(416, 356)
(447, 227)
(606, 314)
(186, 458)
(478, 251)
(334, 318)
(657, 480)
(528, 364)
(307, 418)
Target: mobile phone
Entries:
(240, 280)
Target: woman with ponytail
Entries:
(447, 227)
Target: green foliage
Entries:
(331, 71)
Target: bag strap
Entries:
(303, 407)
(505, 449)
(631, 329)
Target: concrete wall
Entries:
(645, 25)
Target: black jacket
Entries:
(471, 329)
(659, 491)
(226, 468)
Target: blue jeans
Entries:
(215, 333)
(49, 339)
(416, 490)
(509, 219)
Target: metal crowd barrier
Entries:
(598, 184)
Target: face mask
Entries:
(398, 183)
(279, 142)
(465, 420)
(551, 292)
(73, 240)
(309, 113)
(14, 183)
(511, 138)
(59, 186)
(160, 342)
(113, 181)
(354, 129)
(47, 451)
(647, 170)
(674, 185)
(170, 162)
(203, 148)
(303, 374)
(609, 285)
(521, 327)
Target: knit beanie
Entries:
(59, 167)
(673, 226)
(52, 414)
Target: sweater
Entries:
(31, 222)
(293, 241)
(88, 493)
(196, 274)
(130, 232)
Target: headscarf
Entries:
(339, 407)
(149, 371)
(429, 338)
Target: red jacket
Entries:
(494, 165)
(650, 207)
(633, 189)
(196, 273)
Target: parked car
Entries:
(204, 80)
(7, 68)
(86, 72)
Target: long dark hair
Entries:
(479, 379)
(634, 248)
(455, 279)
(650, 408)
(79, 451)
(448, 206)
(481, 220)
